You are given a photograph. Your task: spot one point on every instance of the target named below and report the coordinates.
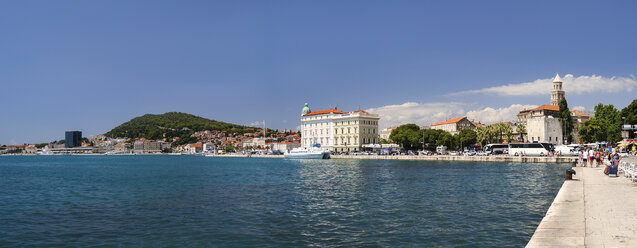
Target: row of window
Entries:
(538, 139)
(343, 140)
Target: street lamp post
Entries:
(423, 140)
(625, 133)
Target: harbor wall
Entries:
(499, 158)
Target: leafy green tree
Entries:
(172, 124)
(481, 135)
(446, 139)
(41, 145)
(407, 136)
(467, 137)
(566, 119)
(605, 126)
(630, 113)
(521, 129)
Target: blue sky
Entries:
(91, 65)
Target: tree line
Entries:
(412, 137)
(607, 122)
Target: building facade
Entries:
(454, 125)
(385, 133)
(547, 129)
(578, 120)
(338, 131)
(73, 139)
(543, 124)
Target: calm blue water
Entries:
(177, 201)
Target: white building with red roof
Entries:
(454, 125)
(338, 131)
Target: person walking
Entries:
(616, 158)
(584, 158)
(591, 157)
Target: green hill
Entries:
(169, 125)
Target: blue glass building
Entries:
(73, 139)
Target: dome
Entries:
(306, 110)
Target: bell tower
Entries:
(557, 93)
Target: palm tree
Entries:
(521, 129)
(508, 132)
(481, 135)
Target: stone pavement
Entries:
(592, 211)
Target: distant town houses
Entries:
(454, 125)
(208, 141)
(333, 129)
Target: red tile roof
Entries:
(579, 113)
(322, 112)
(454, 120)
(547, 107)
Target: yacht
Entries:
(313, 152)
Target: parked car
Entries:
(425, 153)
(469, 153)
(482, 153)
(454, 153)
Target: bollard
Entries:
(569, 174)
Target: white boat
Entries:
(313, 152)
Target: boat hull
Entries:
(322, 155)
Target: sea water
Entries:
(191, 201)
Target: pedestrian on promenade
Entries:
(616, 158)
(584, 155)
(581, 159)
(591, 157)
(598, 158)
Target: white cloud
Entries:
(580, 108)
(490, 115)
(429, 113)
(418, 113)
(257, 124)
(572, 85)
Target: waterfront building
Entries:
(255, 143)
(73, 139)
(578, 120)
(386, 132)
(557, 94)
(454, 125)
(543, 124)
(122, 148)
(148, 146)
(285, 146)
(338, 131)
(193, 148)
(209, 147)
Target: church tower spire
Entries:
(557, 93)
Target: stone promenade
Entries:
(592, 211)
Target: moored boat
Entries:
(313, 152)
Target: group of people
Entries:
(594, 157)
